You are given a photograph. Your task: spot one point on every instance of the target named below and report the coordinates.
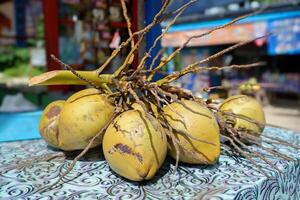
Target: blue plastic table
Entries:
(19, 126)
(231, 178)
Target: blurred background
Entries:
(83, 33)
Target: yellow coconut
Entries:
(83, 93)
(49, 123)
(135, 146)
(84, 114)
(203, 147)
(245, 106)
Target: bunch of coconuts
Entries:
(135, 143)
(138, 121)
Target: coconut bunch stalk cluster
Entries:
(137, 121)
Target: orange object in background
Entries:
(232, 34)
(4, 22)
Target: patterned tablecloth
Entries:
(231, 178)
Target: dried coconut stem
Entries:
(180, 92)
(74, 72)
(173, 97)
(216, 68)
(147, 54)
(252, 152)
(170, 57)
(160, 52)
(208, 89)
(176, 143)
(272, 152)
(282, 142)
(129, 58)
(143, 31)
(185, 133)
(259, 124)
(137, 99)
(190, 68)
(246, 155)
(34, 159)
(125, 14)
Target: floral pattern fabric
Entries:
(231, 178)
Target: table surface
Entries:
(231, 178)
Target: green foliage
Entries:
(6, 56)
(21, 55)
(22, 70)
(14, 62)
(10, 56)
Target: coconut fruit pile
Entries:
(137, 122)
(135, 142)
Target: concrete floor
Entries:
(286, 115)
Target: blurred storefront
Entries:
(82, 33)
(280, 50)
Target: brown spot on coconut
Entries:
(53, 111)
(49, 123)
(123, 148)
